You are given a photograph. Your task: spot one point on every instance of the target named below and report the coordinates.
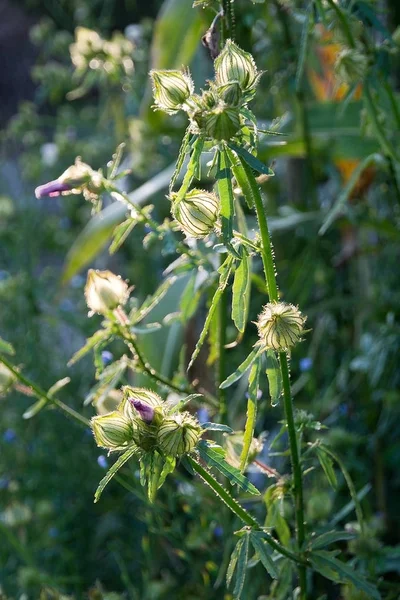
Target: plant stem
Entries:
(222, 323)
(41, 394)
(270, 276)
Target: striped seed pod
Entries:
(234, 64)
(178, 434)
(280, 326)
(112, 431)
(171, 89)
(197, 213)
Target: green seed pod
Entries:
(178, 434)
(234, 64)
(171, 89)
(351, 66)
(105, 291)
(230, 93)
(280, 326)
(222, 123)
(197, 213)
(7, 379)
(112, 431)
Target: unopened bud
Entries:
(112, 431)
(222, 123)
(351, 65)
(197, 213)
(145, 411)
(179, 434)
(105, 291)
(171, 89)
(230, 93)
(7, 379)
(280, 326)
(234, 64)
(79, 178)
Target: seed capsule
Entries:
(171, 89)
(105, 291)
(280, 326)
(234, 64)
(178, 434)
(197, 213)
(112, 431)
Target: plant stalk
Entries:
(270, 276)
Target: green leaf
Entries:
(216, 427)
(344, 196)
(183, 150)
(251, 416)
(240, 291)
(233, 562)
(98, 338)
(241, 566)
(6, 347)
(225, 192)
(57, 386)
(241, 179)
(191, 169)
(109, 379)
(339, 572)
(274, 377)
(242, 368)
(182, 403)
(303, 47)
(339, 516)
(225, 271)
(114, 469)
(190, 298)
(213, 455)
(145, 329)
(328, 538)
(152, 301)
(263, 552)
(169, 467)
(327, 465)
(121, 233)
(251, 160)
(35, 408)
(98, 231)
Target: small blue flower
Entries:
(203, 415)
(102, 461)
(107, 357)
(305, 364)
(343, 409)
(9, 436)
(4, 483)
(218, 531)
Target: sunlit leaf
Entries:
(114, 469)
(251, 414)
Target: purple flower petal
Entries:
(145, 411)
(52, 188)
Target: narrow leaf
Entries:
(330, 537)
(6, 347)
(58, 385)
(217, 427)
(274, 377)
(114, 469)
(327, 465)
(303, 48)
(152, 301)
(241, 566)
(242, 368)
(335, 570)
(212, 455)
(181, 158)
(121, 233)
(251, 413)
(191, 169)
(251, 160)
(34, 409)
(262, 550)
(182, 403)
(169, 467)
(225, 191)
(240, 291)
(233, 562)
(99, 337)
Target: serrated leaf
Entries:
(240, 291)
(330, 537)
(114, 469)
(263, 553)
(225, 192)
(242, 368)
(169, 467)
(274, 377)
(216, 427)
(190, 298)
(213, 456)
(225, 271)
(339, 572)
(241, 566)
(251, 160)
(233, 562)
(327, 465)
(99, 337)
(6, 347)
(152, 301)
(181, 158)
(251, 415)
(191, 169)
(182, 403)
(109, 379)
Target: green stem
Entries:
(146, 219)
(41, 394)
(240, 512)
(222, 324)
(343, 20)
(269, 268)
(385, 144)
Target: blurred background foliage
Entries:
(73, 81)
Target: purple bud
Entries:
(145, 411)
(52, 188)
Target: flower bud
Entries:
(105, 291)
(7, 378)
(146, 412)
(351, 65)
(234, 64)
(112, 431)
(132, 396)
(79, 178)
(197, 213)
(171, 89)
(222, 123)
(178, 434)
(230, 93)
(280, 326)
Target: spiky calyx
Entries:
(178, 434)
(280, 326)
(113, 431)
(234, 64)
(171, 89)
(197, 213)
